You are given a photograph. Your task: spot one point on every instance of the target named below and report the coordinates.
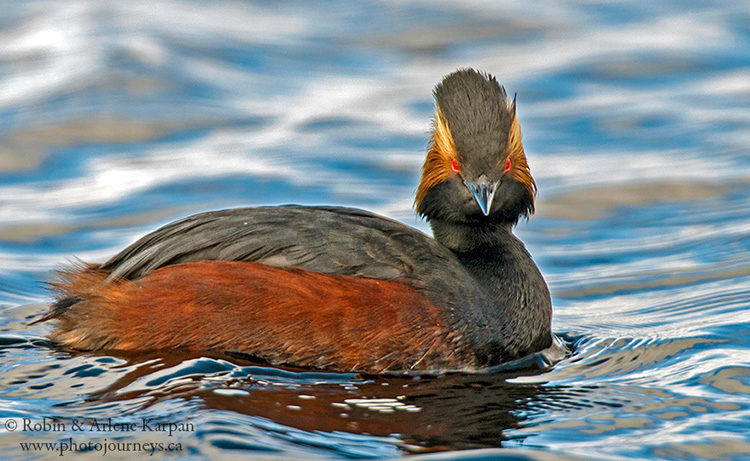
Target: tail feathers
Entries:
(58, 309)
(73, 285)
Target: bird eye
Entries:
(507, 166)
(454, 166)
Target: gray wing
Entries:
(330, 240)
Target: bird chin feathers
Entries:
(451, 202)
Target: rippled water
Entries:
(117, 117)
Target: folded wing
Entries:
(330, 240)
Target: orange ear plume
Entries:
(441, 156)
(519, 167)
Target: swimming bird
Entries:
(336, 288)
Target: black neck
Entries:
(520, 310)
(463, 237)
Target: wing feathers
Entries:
(328, 240)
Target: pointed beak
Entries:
(483, 192)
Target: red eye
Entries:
(454, 166)
(507, 166)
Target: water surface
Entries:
(118, 117)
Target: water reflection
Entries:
(455, 411)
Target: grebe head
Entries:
(476, 170)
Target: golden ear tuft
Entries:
(520, 167)
(437, 164)
(442, 138)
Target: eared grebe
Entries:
(339, 288)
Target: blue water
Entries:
(118, 117)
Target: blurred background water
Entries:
(117, 117)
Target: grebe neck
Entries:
(518, 309)
(468, 237)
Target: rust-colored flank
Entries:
(284, 316)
